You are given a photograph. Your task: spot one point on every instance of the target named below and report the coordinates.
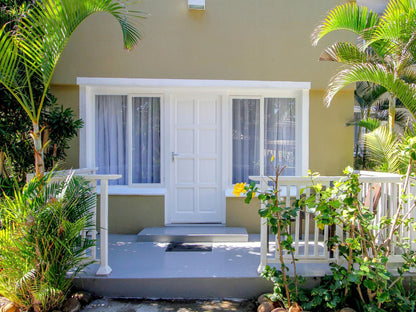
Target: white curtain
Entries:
(146, 140)
(111, 136)
(279, 135)
(246, 139)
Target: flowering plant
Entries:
(279, 218)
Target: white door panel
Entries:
(195, 163)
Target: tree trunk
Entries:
(38, 148)
(2, 170)
(392, 112)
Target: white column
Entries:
(264, 240)
(104, 268)
(263, 243)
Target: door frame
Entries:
(169, 165)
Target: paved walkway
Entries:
(133, 305)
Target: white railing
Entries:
(380, 191)
(94, 179)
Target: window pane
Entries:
(146, 140)
(279, 135)
(110, 136)
(246, 139)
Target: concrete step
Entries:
(175, 288)
(194, 234)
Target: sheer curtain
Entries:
(246, 139)
(279, 134)
(146, 140)
(110, 136)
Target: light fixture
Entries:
(196, 4)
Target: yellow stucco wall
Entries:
(330, 141)
(130, 214)
(68, 96)
(231, 40)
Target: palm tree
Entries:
(32, 50)
(385, 56)
(373, 103)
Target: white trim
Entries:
(83, 131)
(158, 83)
(301, 133)
(130, 138)
(229, 192)
(304, 140)
(166, 89)
(139, 191)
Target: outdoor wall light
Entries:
(196, 4)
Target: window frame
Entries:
(301, 97)
(88, 114)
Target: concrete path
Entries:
(133, 305)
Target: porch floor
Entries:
(146, 270)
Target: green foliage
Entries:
(40, 241)
(279, 218)
(15, 141)
(385, 56)
(29, 53)
(367, 246)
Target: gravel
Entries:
(135, 305)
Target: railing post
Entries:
(264, 233)
(104, 268)
(263, 244)
(93, 230)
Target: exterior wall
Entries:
(68, 96)
(240, 214)
(131, 214)
(231, 40)
(330, 141)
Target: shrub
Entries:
(367, 247)
(40, 241)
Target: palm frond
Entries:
(41, 38)
(348, 17)
(371, 93)
(344, 52)
(382, 146)
(375, 73)
(47, 29)
(10, 74)
(369, 123)
(408, 74)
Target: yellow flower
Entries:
(239, 188)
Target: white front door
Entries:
(195, 162)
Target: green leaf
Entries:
(383, 297)
(370, 284)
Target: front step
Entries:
(175, 288)
(193, 234)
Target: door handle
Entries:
(174, 155)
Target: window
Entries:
(262, 128)
(130, 124)
(118, 116)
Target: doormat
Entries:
(181, 247)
